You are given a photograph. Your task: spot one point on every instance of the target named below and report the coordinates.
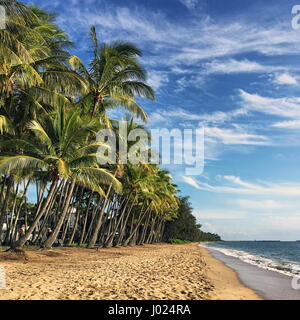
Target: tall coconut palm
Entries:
(33, 72)
(115, 78)
(60, 146)
(51, 107)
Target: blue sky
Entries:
(234, 65)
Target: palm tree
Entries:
(60, 147)
(51, 107)
(115, 78)
(33, 72)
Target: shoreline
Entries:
(150, 272)
(268, 284)
(226, 281)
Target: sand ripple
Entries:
(150, 272)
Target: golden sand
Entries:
(151, 272)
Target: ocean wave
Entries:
(285, 267)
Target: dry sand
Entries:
(152, 272)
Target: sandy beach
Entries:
(152, 272)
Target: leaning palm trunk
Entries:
(15, 222)
(10, 224)
(151, 229)
(94, 214)
(78, 212)
(20, 243)
(69, 216)
(94, 237)
(106, 222)
(5, 205)
(66, 227)
(124, 223)
(135, 230)
(49, 242)
(110, 240)
(85, 219)
(144, 231)
(162, 231)
(2, 188)
(42, 231)
(74, 229)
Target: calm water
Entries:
(283, 257)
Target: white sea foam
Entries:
(286, 267)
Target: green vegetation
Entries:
(185, 227)
(51, 108)
(178, 241)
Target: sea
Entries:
(278, 256)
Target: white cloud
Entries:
(234, 137)
(283, 223)
(182, 43)
(185, 115)
(234, 66)
(261, 205)
(192, 182)
(190, 4)
(285, 78)
(218, 214)
(294, 124)
(234, 185)
(282, 107)
(157, 79)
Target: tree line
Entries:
(51, 107)
(185, 226)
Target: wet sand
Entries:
(268, 284)
(152, 272)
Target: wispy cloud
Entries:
(190, 4)
(294, 124)
(186, 42)
(176, 114)
(236, 136)
(285, 79)
(235, 66)
(235, 185)
(261, 205)
(157, 79)
(219, 214)
(282, 107)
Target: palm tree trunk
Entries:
(109, 242)
(133, 233)
(66, 226)
(10, 224)
(2, 189)
(74, 229)
(5, 204)
(47, 214)
(13, 229)
(161, 237)
(69, 215)
(94, 237)
(94, 214)
(123, 228)
(144, 232)
(49, 242)
(151, 229)
(20, 243)
(85, 219)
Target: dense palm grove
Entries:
(185, 227)
(51, 108)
